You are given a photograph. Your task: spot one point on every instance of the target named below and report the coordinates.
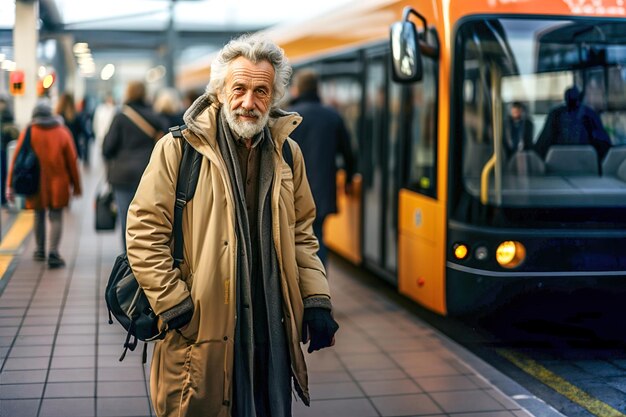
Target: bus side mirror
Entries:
(406, 58)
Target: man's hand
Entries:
(179, 316)
(319, 324)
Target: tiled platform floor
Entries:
(59, 356)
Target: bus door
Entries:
(378, 165)
(421, 209)
(342, 88)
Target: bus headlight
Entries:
(460, 251)
(510, 254)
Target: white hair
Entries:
(255, 48)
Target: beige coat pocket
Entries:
(190, 331)
(169, 376)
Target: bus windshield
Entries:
(543, 112)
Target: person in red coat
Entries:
(54, 146)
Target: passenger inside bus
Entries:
(518, 130)
(573, 123)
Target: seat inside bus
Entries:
(525, 163)
(569, 176)
(615, 157)
(572, 160)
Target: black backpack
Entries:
(25, 180)
(124, 296)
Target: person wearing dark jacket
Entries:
(573, 123)
(127, 147)
(321, 136)
(518, 130)
(8, 133)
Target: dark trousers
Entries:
(123, 197)
(318, 229)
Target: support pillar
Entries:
(25, 38)
(172, 43)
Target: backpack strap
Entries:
(287, 154)
(188, 174)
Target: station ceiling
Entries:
(142, 25)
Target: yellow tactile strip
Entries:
(14, 238)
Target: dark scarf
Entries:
(262, 371)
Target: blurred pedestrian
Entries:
(189, 97)
(250, 287)
(66, 108)
(8, 133)
(322, 136)
(128, 144)
(85, 119)
(53, 145)
(102, 118)
(169, 106)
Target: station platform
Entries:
(59, 356)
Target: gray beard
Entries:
(244, 129)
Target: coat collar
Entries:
(47, 122)
(201, 120)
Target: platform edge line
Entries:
(559, 384)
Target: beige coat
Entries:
(192, 371)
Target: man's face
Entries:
(516, 113)
(247, 96)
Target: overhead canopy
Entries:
(114, 25)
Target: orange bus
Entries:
(491, 142)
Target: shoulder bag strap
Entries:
(140, 122)
(26, 145)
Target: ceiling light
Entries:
(155, 74)
(107, 72)
(9, 65)
(81, 48)
(48, 81)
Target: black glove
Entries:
(178, 316)
(320, 325)
(180, 321)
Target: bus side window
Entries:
(344, 94)
(421, 114)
